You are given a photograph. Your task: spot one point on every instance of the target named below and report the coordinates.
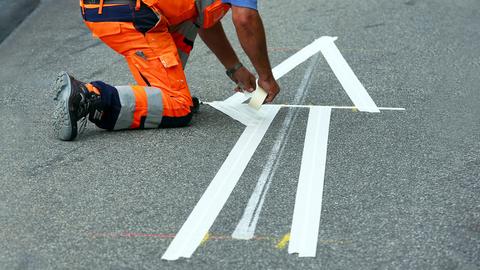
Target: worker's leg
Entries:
(153, 60)
(184, 36)
(109, 107)
(161, 98)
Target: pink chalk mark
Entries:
(126, 234)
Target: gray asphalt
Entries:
(12, 13)
(402, 189)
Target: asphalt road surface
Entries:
(12, 13)
(402, 189)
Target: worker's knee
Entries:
(243, 17)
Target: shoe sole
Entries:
(64, 126)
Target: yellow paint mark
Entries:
(205, 239)
(354, 110)
(283, 243)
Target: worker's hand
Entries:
(270, 85)
(245, 80)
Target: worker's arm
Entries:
(215, 38)
(251, 35)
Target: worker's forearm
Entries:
(251, 34)
(216, 40)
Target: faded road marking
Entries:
(246, 226)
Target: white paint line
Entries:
(246, 226)
(308, 201)
(346, 76)
(212, 201)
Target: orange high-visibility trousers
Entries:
(153, 58)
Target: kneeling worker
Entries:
(156, 37)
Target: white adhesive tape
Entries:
(346, 76)
(209, 206)
(299, 57)
(238, 98)
(257, 122)
(259, 96)
(240, 112)
(283, 68)
(247, 225)
(308, 201)
(349, 81)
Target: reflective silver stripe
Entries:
(127, 100)
(189, 31)
(184, 57)
(155, 107)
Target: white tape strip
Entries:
(316, 106)
(248, 223)
(242, 113)
(308, 201)
(238, 98)
(346, 76)
(299, 57)
(283, 68)
(331, 107)
(354, 88)
(248, 116)
(217, 193)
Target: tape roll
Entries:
(258, 98)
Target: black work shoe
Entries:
(74, 103)
(196, 105)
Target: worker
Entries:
(156, 38)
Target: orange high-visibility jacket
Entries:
(205, 12)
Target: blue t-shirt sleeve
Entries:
(242, 3)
